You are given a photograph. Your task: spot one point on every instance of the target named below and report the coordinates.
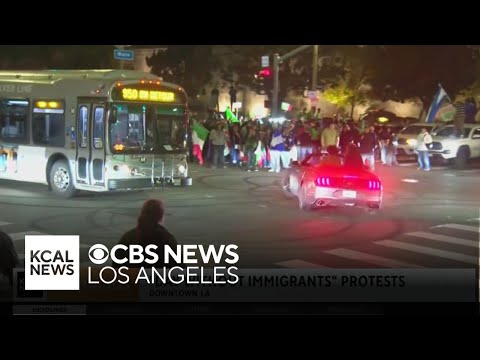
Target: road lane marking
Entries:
(369, 258)
(299, 264)
(3, 223)
(459, 227)
(429, 251)
(412, 181)
(443, 238)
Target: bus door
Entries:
(91, 142)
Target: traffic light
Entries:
(264, 81)
(265, 73)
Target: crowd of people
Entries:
(256, 144)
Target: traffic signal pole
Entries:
(314, 67)
(276, 83)
(277, 60)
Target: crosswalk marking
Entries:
(429, 251)
(444, 238)
(21, 235)
(300, 264)
(3, 223)
(459, 227)
(369, 258)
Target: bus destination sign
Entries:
(147, 95)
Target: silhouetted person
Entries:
(8, 257)
(470, 110)
(368, 144)
(233, 96)
(149, 230)
(214, 95)
(353, 159)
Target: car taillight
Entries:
(323, 181)
(374, 185)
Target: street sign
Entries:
(312, 95)
(237, 105)
(123, 54)
(265, 61)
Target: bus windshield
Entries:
(148, 128)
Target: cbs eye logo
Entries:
(98, 254)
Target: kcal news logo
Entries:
(52, 262)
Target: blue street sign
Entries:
(123, 54)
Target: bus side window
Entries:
(48, 123)
(13, 119)
(98, 129)
(82, 126)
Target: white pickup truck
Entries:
(456, 148)
(407, 138)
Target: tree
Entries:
(349, 92)
(242, 62)
(188, 65)
(354, 68)
(407, 72)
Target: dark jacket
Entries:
(159, 236)
(368, 143)
(353, 161)
(347, 137)
(8, 256)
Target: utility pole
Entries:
(277, 60)
(314, 77)
(315, 67)
(276, 84)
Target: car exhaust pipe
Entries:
(373, 206)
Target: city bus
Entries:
(93, 130)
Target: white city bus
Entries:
(94, 130)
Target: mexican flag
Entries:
(199, 135)
(260, 154)
(230, 116)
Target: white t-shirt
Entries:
(423, 140)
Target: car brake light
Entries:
(374, 185)
(323, 181)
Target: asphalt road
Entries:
(429, 219)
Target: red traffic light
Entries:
(265, 73)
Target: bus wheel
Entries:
(61, 180)
(186, 182)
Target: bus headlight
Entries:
(181, 169)
(412, 142)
